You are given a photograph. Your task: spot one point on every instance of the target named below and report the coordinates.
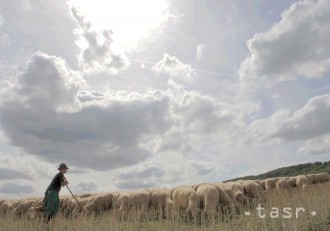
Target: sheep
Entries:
(185, 197)
(87, 195)
(80, 204)
(227, 198)
(37, 202)
(270, 183)
(35, 212)
(7, 206)
(98, 203)
(159, 200)
(22, 207)
(67, 205)
(263, 184)
(282, 184)
(238, 190)
(120, 203)
(302, 182)
(36, 209)
(1, 201)
(322, 177)
(312, 179)
(139, 202)
(292, 182)
(209, 198)
(253, 191)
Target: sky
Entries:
(146, 94)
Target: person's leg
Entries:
(50, 204)
(57, 204)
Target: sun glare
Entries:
(131, 21)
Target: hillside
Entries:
(300, 169)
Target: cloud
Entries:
(316, 146)
(200, 113)
(171, 170)
(97, 53)
(86, 187)
(84, 96)
(4, 40)
(139, 177)
(296, 46)
(44, 117)
(2, 20)
(18, 189)
(312, 120)
(10, 174)
(172, 66)
(200, 51)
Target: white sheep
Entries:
(292, 182)
(253, 191)
(98, 203)
(282, 184)
(120, 203)
(160, 201)
(209, 198)
(22, 207)
(185, 197)
(139, 203)
(322, 177)
(270, 183)
(79, 206)
(302, 182)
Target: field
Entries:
(316, 199)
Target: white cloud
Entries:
(310, 121)
(316, 146)
(1, 20)
(200, 51)
(172, 169)
(4, 40)
(43, 117)
(296, 46)
(97, 52)
(17, 189)
(172, 66)
(85, 187)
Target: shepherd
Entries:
(52, 200)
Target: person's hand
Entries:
(64, 183)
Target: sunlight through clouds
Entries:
(131, 21)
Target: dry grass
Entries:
(315, 199)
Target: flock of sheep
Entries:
(168, 203)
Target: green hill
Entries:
(300, 169)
